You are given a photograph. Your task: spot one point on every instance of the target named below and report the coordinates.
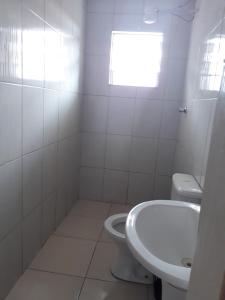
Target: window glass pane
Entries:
(135, 58)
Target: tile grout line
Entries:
(86, 273)
(67, 275)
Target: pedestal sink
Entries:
(162, 235)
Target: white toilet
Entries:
(184, 188)
(125, 267)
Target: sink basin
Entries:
(162, 235)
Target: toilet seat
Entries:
(110, 224)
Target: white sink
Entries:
(162, 235)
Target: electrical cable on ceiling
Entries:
(152, 12)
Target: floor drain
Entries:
(186, 262)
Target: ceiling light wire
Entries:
(172, 11)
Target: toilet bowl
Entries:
(125, 266)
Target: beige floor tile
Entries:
(100, 267)
(92, 209)
(105, 237)
(101, 290)
(65, 256)
(119, 209)
(36, 285)
(80, 227)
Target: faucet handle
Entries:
(183, 109)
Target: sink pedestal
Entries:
(172, 293)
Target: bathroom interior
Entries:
(112, 153)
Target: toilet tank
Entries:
(186, 188)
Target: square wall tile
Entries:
(11, 196)
(166, 155)
(93, 149)
(115, 186)
(31, 236)
(100, 6)
(94, 114)
(95, 289)
(148, 114)
(92, 209)
(127, 22)
(51, 116)
(163, 185)
(63, 163)
(96, 74)
(122, 91)
(10, 41)
(33, 119)
(91, 184)
(141, 188)
(98, 33)
(174, 85)
(118, 152)
(10, 122)
(53, 54)
(41, 285)
(67, 176)
(10, 261)
(37, 6)
(50, 155)
(61, 204)
(66, 256)
(53, 13)
(121, 113)
(151, 93)
(143, 155)
(70, 70)
(48, 217)
(32, 180)
(182, 31)
(129, 7)
(67, 109)
(211, 112)
(70, 15)
(170, 120)
(33, 48)
(77, 112)
(72, 194)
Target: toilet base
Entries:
(126, 267)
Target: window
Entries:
(135, 58)
(212, 69)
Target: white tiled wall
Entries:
(211, 240)
(203, 67)
(129, 134)
(40, 92)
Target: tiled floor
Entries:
(75, 262)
